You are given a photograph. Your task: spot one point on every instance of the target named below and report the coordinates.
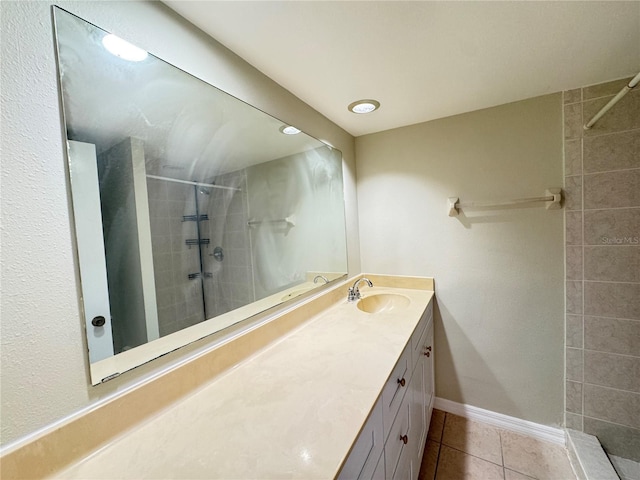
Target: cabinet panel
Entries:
(419, 411)
(378, 473)
(395, 443)
(367, 450)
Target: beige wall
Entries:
(602, 168)
(499, 273)
(44, 366)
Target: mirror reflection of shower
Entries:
(188, 228)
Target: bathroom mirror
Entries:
(193, 210)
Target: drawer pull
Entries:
(404, 439)
(428, 354)
(429, 348)
(402, 382)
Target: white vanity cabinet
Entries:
(391, 443)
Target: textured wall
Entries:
(44, 370)
(499, 310)
(602, 181)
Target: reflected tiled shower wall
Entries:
(179, 298)
(602, 188)
(231, 284)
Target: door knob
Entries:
(401, 381)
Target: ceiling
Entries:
(424, 60)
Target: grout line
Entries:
(611, 423)
(606, 134)
(582, 207)
(611, 281)
(472, 455)
(632, 207)
(611, 171)
(612, 388)
(627, 355)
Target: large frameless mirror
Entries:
(193, 210)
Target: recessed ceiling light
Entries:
(123, 49)
(289, 130)
(364, 106)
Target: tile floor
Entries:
(461, 449)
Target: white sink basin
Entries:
(383, 302)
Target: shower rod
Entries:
(626, 89)
(198, 184)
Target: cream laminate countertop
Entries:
(292, 410)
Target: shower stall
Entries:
(200, 248)
(602, 174)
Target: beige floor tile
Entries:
(436, 425)
(429, 461)
(456, 465)
(511, 475)
(475, 438)
(535, 458)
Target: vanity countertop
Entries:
(291, 410)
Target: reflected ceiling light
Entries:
(364, 106)
(289, 130)
(123, 49)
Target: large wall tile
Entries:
(607, 152)
(604, 89)
(616, 439)
(574, 331)
(612, 405)
(573, 228)
(573, 421)
(611, 370)
(572, 96)
(608, 190)
(574, 364)
(573, 192)
(609, 227)
(573, 402)
(573, 120)
(574, 297)
(610, 263)
(612, 335)
(573, 156)
(619, 300)
(625, 115)
(574, 263)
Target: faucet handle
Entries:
(354, 294)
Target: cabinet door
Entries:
(394, 390)
(367, 450)
(398, 441)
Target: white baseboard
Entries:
(531, 429)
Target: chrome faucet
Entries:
(320, 277)
(354, 292)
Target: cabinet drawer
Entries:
(366, 452)
(395, 446)
(418, 339)
(394, 390)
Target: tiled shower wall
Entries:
(179, 298)
(231, 284)
(602, 188)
